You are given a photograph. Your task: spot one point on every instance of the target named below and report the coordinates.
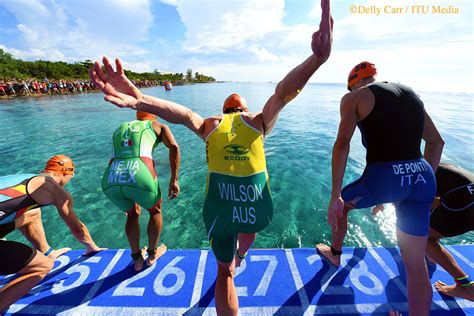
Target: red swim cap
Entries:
(359, 72)
(60, 163)
(235, 101)
(145, 116)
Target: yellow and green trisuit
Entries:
(238, 198)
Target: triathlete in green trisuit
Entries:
(130, 180)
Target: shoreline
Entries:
(31, 95)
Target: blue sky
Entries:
(247, 40)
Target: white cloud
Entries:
(170, 2)
(315, 12)
(138, 67)
(78, 30)
(263, 54)
(227, 25)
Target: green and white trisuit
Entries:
(130, 177)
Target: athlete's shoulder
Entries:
(254, 119)
(214, 119)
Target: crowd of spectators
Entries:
(32, 87)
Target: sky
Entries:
(250, 40)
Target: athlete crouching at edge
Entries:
(130, 180)
(19, 208)
(235, 155)
(392, 121)
(452, 214)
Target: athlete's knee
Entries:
(225, 269)
(134, 211)
(155, 210)
(28, 217)
(40, 264)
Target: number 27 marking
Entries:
(262, 287)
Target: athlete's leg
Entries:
(227, 302)
(437, 253)
(132, 229)
(155, 224)
(31, 226)
(337, 239)
(245, 242)
(29, 276)
(225, 294)
(413, 249)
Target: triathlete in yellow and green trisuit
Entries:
(238, 198)
(228, 175)
(130, 180)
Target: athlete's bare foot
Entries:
(394, 313)
(466, 292)
(138, 263)
(158, 253)
(58, 252)
(325, 251)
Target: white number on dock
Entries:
(262, 287)
(83, 271)
(124, 290)
(361, 270)
(170, 268)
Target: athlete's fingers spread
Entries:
(118, 64)
(95, 79)
(108, 66)
(99, 71)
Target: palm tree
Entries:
(189, 74)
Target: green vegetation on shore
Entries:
(12, 68)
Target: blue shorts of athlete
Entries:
(409, 184)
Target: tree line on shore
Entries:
(12, 68)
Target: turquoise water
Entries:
(298, 158)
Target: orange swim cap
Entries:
(359, 72)
(145, 116)
(61, 163)
(235, 101)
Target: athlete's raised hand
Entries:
(335, 211)
(322, 39)
(118, 89)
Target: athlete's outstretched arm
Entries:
(64, 204)
(340, 153)
(434, 143)
(119, 90)
(168, 139)
(288, 88)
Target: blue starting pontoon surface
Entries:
(277, 281)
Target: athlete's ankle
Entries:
(335, 252)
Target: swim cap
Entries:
(145, 116)
(359, 72)
(60, 163)
(235, 101)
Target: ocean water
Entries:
(298, 158)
